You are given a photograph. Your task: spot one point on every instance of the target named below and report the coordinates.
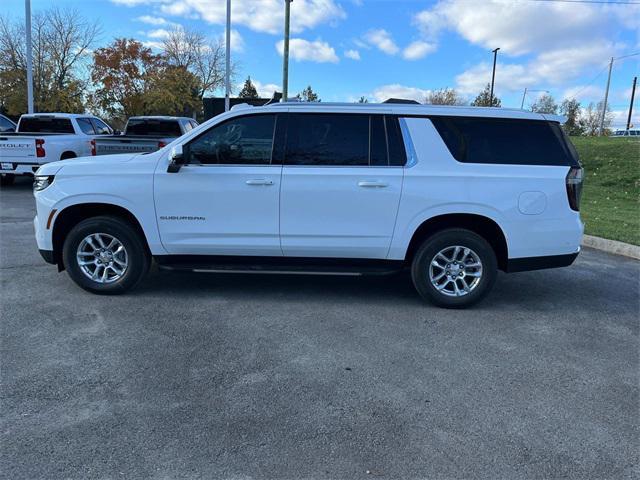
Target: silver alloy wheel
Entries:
(455, 271)
(102, 258)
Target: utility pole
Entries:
(606, 97)
(285, 53)
(27, 14)
(633, 94)
(227, 67)
(493, 75)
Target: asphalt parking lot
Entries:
(242, 376)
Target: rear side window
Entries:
(504, 141)
(333, 139)
(153, 128)
(86, 126)
(45, 125)
(327, 139)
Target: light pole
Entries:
(27, 14)
(493, 75)
(227, 67)
(285, 53)
(524, 95)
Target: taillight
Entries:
(93, 147)
(40, 148)
(161, 144)
(574, 187)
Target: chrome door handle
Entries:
(372, 184)
(259, 181)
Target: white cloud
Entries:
(266, 90)
(153, 44)
(237, 42)
(583, 92)
(517, 27)
(259, 15)
(352, 54)
(150, 20)
(395, 90)
(417, 50)
(316, 51)
(382, 40)
(549, 69)
(158, 33)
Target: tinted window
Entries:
(378, 142)
(6, 125)
(503, 141)
(245, 140)
(100, 127)
(153, 127)
(45, 125)
(327, 139)
(86, 126)
(397, 153)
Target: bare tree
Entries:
(61, 42)
(201, 56)
(445, 96)
(69, 38)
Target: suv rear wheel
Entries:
(105, 255)
(454, 268)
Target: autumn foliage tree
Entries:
(123, 73)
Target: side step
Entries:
(278, 265)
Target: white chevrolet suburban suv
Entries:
(451, 193)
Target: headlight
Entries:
(41, 182)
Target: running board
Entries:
(278, 265)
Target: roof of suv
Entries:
(407, 109)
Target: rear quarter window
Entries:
(505, 141)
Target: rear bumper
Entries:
(538, 263)
(18, 168)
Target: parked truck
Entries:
(47, 137)
(145, 134)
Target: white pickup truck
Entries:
(47, 137)
(145, 134)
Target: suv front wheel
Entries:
(105, 255)
(454, 268)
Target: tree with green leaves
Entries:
(444, 96)
(248, 90)
(590, 119)
(570, 108)
(308, 95)
(484, 99)
(363, 99)
(545, 104)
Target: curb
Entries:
(612, 246)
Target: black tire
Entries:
(7, 179)
(67, 155)
(138, 258)
(450, 238)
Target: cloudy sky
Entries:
(404, 48)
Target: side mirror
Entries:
(177, 159)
